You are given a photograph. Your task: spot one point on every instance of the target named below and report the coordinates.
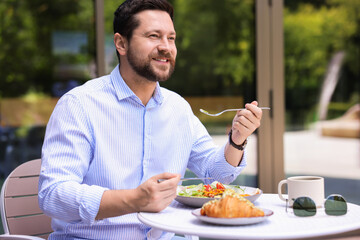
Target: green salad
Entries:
(213, 190)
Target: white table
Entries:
(178, 218)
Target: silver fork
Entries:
(186, 179)
(227, 110)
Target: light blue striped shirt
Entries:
(100, 136)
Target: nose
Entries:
(164, 45)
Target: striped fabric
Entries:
(100, 136)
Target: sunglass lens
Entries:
(335, 205)
(304, 207)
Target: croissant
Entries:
(231, 206)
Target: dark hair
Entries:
(124, 20)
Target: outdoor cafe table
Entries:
(178, 218)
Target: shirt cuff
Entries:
(90, 203)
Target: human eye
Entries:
(154, 36)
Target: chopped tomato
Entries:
(208, 188)
(220, 186)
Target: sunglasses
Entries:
(335, 205)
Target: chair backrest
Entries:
(20, 212)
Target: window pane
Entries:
(322, 58)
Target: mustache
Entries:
(163, 54)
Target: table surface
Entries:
(178, 218)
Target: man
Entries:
(110, 140)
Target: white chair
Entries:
(20, 213)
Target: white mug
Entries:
(303, 186)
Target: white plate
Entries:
(232, 221)
(198, 201)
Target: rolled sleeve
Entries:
(90, 204)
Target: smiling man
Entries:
(151, 53)
(110, 140)
(148, 55)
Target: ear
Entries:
(120, 44)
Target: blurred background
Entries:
(49, 47)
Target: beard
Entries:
(144, 68)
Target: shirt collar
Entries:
(158, 96)
(123, 91)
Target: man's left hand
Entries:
(246, 122)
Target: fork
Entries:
(186, 179)
(227, 110)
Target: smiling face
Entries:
(152, 50)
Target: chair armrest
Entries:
(18, 237)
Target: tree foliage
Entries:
(313, 34)
(215, 41)
(27, 60)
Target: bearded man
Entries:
(109, 141)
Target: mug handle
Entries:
(282, 182)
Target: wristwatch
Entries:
(239, 147)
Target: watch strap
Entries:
(240, 147)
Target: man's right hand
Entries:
(150, 196)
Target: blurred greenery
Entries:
(215, 41)
(216, 48)
(314, 31)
